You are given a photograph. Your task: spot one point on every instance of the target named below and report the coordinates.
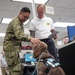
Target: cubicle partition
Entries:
(67, 58)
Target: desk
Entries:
(67, 58)
(22, 52)
(68, 44)
(28, 68)
(29, 64)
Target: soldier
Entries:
(12, 41)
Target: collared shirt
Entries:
(41, 27)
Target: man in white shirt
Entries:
(42, 27)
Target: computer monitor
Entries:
(29, 57)
(71, 32)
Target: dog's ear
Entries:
(41, 46)
(37, 50)
(44, 45)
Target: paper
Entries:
(53, 34)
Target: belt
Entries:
(46, 39)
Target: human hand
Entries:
(35, 41)
(55, 37)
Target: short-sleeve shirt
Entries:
(41, 27)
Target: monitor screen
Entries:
(29, 57)
(71, 32)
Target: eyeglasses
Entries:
(40, 12)
(25, 16)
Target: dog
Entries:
(43, 67)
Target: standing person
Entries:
(41, 27)
(12, 41)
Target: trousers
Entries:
(51, 47)
(14, 65)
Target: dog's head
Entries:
(38, 49)
(41, 48)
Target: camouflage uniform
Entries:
(12, 44)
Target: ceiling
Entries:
(64, 11)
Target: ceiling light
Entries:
(6, 20)
(63, 24)
(35, 1)
(2, 34)
(26, 22)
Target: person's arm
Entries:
(54, 36)
(19, 33)
(32, 29)
(32, 33)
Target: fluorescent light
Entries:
(35, 1)
(26, 22)
(6, 20)
(63, 24)
(2, 34)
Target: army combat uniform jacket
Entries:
(12, 44)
